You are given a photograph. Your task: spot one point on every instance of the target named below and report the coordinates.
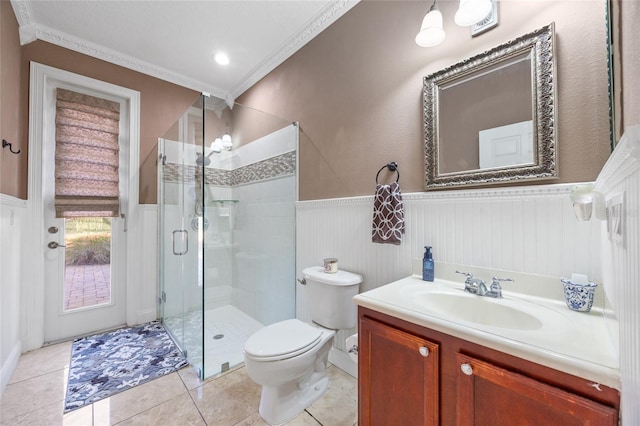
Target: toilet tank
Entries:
(329, 297)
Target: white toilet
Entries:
(289, 358)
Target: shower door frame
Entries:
(181, 325)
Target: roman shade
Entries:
(87, 156)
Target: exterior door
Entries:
(84, 259)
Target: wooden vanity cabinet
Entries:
(402, 377)
(464, 383)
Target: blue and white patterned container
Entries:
(579, 297)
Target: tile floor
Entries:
(37, 388)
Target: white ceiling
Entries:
(175, 40)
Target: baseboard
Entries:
(146, 316)
(7, 369)
(342, 360)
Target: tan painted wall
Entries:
(356, 90)
(13, 168)
(161, 103)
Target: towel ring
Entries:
(393, 167)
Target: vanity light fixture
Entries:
(470, 12)
(221, 143)
(431, 32)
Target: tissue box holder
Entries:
(579, 297)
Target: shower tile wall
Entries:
(258, 230)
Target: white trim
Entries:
(30, 31)
(32, 293)
(9, 366)
(327, 16)
(8, 200)
(533, 191)
(624, 161)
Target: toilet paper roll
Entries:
(352, 347)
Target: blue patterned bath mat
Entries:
(105, 364)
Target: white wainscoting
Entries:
(526, 229)
(143, 267)
(621, 269)
(13, 214)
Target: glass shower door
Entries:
(180, 239)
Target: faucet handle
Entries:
(495, 284)
(469, 275)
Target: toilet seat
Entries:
(284, 339)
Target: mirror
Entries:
(491, 118)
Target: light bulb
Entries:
(216, 146)
(431, 33)
(472, 11)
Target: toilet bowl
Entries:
(291, 378)
(289, 358)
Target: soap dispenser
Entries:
(427, 265)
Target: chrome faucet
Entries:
(479, 287)
(496, 288)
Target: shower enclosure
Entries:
(227, 186)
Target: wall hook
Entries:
(8, 144)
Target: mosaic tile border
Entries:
(274, 167)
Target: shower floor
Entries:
(226, 328)
(235, 327)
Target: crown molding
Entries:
(97, 51)
(315, 26)
(30, 31)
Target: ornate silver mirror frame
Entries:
(538, 49)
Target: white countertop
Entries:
(574, 342)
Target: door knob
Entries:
(424, 351)
(466, 369)
(54, 245)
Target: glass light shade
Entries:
(431, 33)
(216, 146)
(226, 142)
(472, 11)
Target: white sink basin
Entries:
(467, 307)
(538, 329)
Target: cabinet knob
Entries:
(466, 369)
(424, 351)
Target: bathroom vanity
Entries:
(421, 366)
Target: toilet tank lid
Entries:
(340, 278)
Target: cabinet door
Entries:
(398, 377)
(489, 395)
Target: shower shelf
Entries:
(223, 202)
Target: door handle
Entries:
(184, 238)
(54, 245)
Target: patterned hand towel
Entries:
(388, 215)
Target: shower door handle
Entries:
(184, 239)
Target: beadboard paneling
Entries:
(13, 220)
(621, 175)
(525, 229)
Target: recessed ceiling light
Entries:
(221, 58)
